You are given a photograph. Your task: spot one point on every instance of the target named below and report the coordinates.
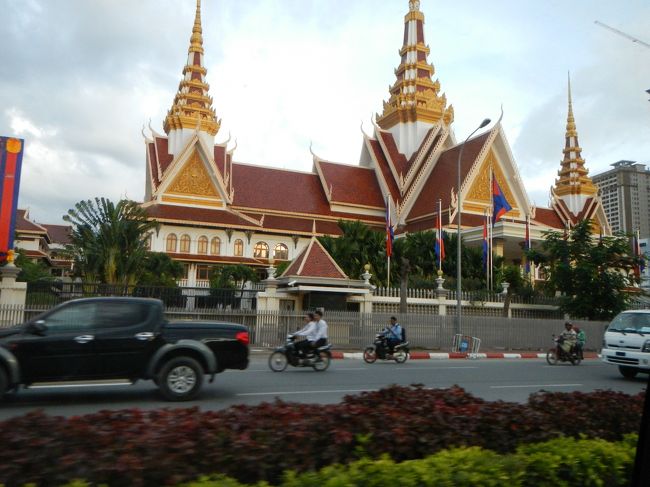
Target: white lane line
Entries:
(350, 368)
(302, 392)
(433, 368)
(535, 386)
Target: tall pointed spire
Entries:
(192, 107)
(414, 97)
(415, 102)
(574, 186)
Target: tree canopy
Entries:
(109, 241)
(592, 274)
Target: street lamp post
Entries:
(458, 239)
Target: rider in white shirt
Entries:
(321, 330)
(309, 331)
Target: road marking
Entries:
(302, 392)
(433, 368)
(536, 386)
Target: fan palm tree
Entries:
(109, 240)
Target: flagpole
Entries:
(388, 236)
(490, 232)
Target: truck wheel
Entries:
(180, 379)
(628, 372)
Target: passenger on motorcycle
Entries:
(393, 333)
(321, 330)
(309, 331)
(568, 338)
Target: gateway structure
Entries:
(214, 210)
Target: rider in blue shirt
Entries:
(393, 333)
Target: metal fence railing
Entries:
(55, 292)
(353, 330)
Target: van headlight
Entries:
(646, 346)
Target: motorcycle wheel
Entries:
(551, 356)
(400, 356)
(278, 361)
(323, 362)
(575, 360)
(370, 355)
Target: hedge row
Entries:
(564, 462)
(252, 443)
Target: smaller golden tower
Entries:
(574, 186)
(192, 105)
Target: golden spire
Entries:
(192, 105)
(415, 96)
(573, 178)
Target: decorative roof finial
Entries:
(196, 41)
(573, 184)
(192, 107)
(415, 97)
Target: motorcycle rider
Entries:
(309, 332)
(393, 334)
(568, 338)
(321, 330)
(582, 339)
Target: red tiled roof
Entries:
(199, 216)
(220, 158)
(153, 166)
(217, 259)
(278, 189)
(164, 157)
(314, 261)
(382, 162)
(549, 217)
(354, 185)
(25, 225)
(59, 233)
(445, 176)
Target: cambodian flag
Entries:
(389, 231)
(440, 243)
(499, 203)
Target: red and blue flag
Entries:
(11, 157)
(527, 244)
(485, 243)
(500, 205)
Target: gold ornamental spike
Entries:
(192, 107)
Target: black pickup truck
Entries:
(105, 339)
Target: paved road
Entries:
(509, 380)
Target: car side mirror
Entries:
(37, 327)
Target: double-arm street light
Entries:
(459, 209)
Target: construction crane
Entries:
(627, 36)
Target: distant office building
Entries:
(625, 193)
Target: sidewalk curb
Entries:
(460, 355)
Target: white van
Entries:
(627, 342)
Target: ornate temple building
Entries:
(212, 209)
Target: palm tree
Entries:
(109, 240)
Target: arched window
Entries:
(281, 252)
(202, 245)
(185, 244)
(171, 242)
(215, 246)
(261, 250)
(239, 247)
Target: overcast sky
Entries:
(79, 78)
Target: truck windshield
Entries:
(631, 322)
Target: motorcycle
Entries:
(380, 350)
(559, 354)
(318, 359)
